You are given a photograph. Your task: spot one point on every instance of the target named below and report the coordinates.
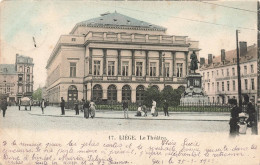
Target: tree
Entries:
(150, 94)
(37, 94)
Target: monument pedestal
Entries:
(194, 95)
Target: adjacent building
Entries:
(16, 80)
(115, 57)
(220, 74)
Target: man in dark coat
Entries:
(62, 105)
(234, 128)
(4, 105)
(42, 106)
(77, 107)
(86, 109)
(165, 108)
(252, 117)
(125, 108)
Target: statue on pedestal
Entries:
(194, 62)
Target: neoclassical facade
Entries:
(115, 57)
(220, 74)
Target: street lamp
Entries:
(5, 85)
(238, 73)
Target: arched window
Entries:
(139, 93)
(72, 93)
(112, 93)
(97, 92)
(126, 93)
(155, 87)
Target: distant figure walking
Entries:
(234, 128)
(43, 105)
(165, 107)
(4, 105)
(153, 110)
(92, 109)
(86, 109)
(77, 107)
(62, 105)
(252, 115)
(125, 108)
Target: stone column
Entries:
(104, 61)
(186, 63)
(133, 62)
(146, 63)
(90, 61)
(160, 63)
(173, 63)
(119, 61)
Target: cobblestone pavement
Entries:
(114, 120)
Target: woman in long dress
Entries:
(153, 112)
(92, 109)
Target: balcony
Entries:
(97, 77)
(139, 78)
(154, 78)
(126, 78)
(112, 78)
(168, 78)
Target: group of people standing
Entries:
(239, 121)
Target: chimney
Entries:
(202, 61)
(223, 55)
(243, 48)
(209, 59)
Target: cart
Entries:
(25, 101)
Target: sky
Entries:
(20, 21)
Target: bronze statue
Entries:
(194, 62)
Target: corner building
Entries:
(114, 58)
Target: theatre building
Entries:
(115, 58)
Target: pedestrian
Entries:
(92, 109)
(86, 109)
(125, 109)
(145, 110)
(234, 128)
(165, 107)
(139, 111)
(251, 111)
(62, 105)
(43, 105)
(4, 105)
(153, 110)
(77, 107)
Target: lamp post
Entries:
(5, 85)
(163, 70)
(238, 73)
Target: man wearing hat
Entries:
(251, 112)
(234, 128)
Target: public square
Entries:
(114, 120)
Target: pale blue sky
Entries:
(47, 20)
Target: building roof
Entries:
(119, 20)
(24, 59)
(7, 69)
(231, 58)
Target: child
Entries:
(242, 123)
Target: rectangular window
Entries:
(233, 71)
(217, 72)
(212, 74)
(234, 85)
(20, 69)
(111, 68)
(223, 86)
(28, 78)
(227, 72)
(72, 69)
(179, 70)
(27, 88)
(96, 67)
(125, 66)
(227, 85)
(246, 84)
(208, 87)
(204, 75)
(245, 70)
(252, 84)
(213, 87)
(28, 70)
(73, 39)
(153, 69)
(222, 71)
(217, 86)
(252, 68)
(20, 78)
(139, 68)
(167, 69)
(208, 75)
